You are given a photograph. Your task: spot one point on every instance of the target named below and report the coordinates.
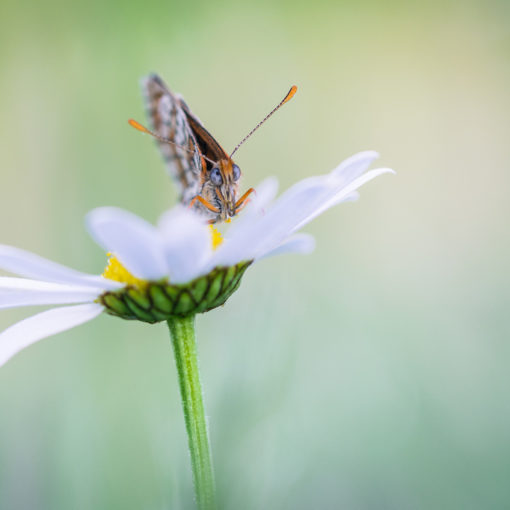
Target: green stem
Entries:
(182, 331)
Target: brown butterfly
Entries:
(207, 177)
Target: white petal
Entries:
(22, 292)
(298, 243)
(13, 283)
(42, 325)
(135, 242)
(343, 194)
(295, 208)
(309, 195)
(355, 165)
(264, 194)
(187, 243)
(271, 229)
(24, 263)
(352, 197)
(260, 200)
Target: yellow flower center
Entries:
(216, 237)
(117, 272)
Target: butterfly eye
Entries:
(236, 171)
(215, 176)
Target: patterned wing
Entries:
(168, 119)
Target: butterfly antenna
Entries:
(288, 97)
(143, 129)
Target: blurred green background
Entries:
(370, 375)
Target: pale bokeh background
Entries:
(370, 375)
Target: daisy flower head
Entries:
(180, 267)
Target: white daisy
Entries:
(173, 269)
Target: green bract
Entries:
(160, 301)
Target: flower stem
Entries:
(182, 331)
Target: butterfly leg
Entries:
(244, 201)
(205, 203)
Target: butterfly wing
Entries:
(208, 145)
(169, 118)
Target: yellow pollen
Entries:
(116, 271)
(216, 237)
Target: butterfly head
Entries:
(221, 187)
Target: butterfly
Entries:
(206, 175)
